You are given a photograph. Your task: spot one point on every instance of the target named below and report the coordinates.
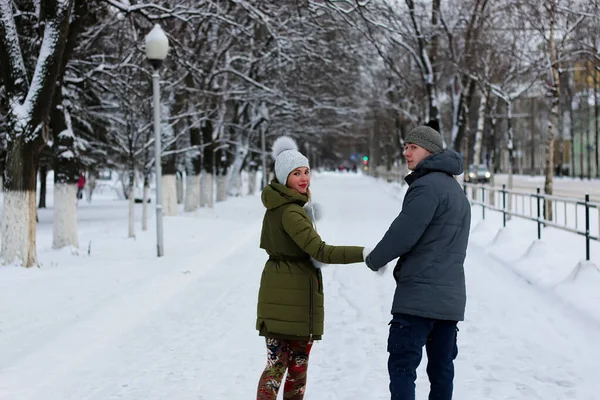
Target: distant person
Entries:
(429, 238)
(80, 186)
(290, 298)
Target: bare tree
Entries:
(29, 93)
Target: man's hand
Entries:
(381, 271)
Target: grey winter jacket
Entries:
(430, 238)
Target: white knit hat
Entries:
(287, 158)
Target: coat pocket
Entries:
(401, 338)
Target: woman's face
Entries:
(299, 180)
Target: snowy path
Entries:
(183, 327)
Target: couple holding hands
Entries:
(429, 238)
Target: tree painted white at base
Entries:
(239, 182)
(145, 209)
(64, 225)
(132, 211)
(232, 186)
(236, 183)
(169, 195)
(222, 187)
(18, 228)
(192, 193)
(206, 191)
(179, 188)
(90, 186)
(252, 182)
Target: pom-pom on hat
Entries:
(287, 158)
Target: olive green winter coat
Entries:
(290, 299)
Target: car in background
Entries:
(478, 174)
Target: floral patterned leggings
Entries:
(282, 355)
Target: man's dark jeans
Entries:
(408, 335)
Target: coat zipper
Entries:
(310, 313)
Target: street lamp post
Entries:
(157, 46)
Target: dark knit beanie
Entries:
(427, 138)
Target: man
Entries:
(430, 239)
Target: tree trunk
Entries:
(223, 171)
(221, 187)
(19, 212)
(252, 176)
(90, 185)
(581, 166)
(567, 116)
(587, 150)
(427, 57)
(193, 167)
(572, 135)
(30, 106)
(66, 164)
(399, 139)
(239, 182)
(64, 225)
(66, 175)
(2, 159)
(554, 114)
(169, 161)
(563, 121)
(145, 203)
(169, 197)
(252, 173)
(480, 125)
(43, 175)
(235, 183)
(511, 152)
(206, 184)
(179, 182)
(532, 128)
(192, 193)
(131, 204)
(207, 190)
(588, 128)
(549, 166)
(169, 186)
(434, 108)
(462, 125)
(494, 106)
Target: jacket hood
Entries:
(275, 195)
(448, 161)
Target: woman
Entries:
(290, 299)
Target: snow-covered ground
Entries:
(118, 323)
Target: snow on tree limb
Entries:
(25, 105)
(17, 81)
